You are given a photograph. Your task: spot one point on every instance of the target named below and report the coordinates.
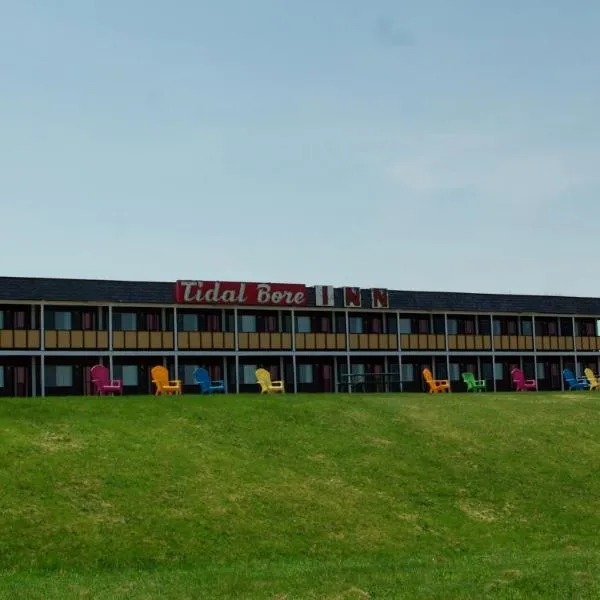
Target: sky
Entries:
(416, 145)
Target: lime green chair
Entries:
(474, 385)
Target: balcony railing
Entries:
(20, 339)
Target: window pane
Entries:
(188, 374)
(408, 373)
(405, 326)
(498, 371)
(526, 327)
(1, 319)
(190, 322)
(1, 376)
(540, 371)
(248, 325)
(59, 376)
(62, 320)
(303, 325)
(305, 373)
(129, 374)
(355, 325)
(452, 326)
(454, 372)
(249, 374)
(128, 322)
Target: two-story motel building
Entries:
(52, 331)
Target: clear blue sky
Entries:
(451, 145)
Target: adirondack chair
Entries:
(573, 382)
(592, 379)
(435, 385)
(207, 386)
(102, 383)
(263, 378)
(474, 385)
(522, 384)
(164, 385)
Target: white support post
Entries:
(33, 378)
(176, 343)
(401, 384)
(293, 313)
(335, 375)
(237, 348)
(574, 324)
(43, 351)
(348, 351)
(535, 363)
(110, 341)
(225, 375)
(562, 379)
(447, 349)
(493, 353)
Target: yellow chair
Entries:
(164, 385)
(594, 383)
(435, 385)
(263, 378)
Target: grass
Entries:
(325, 497)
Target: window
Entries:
(305, 374)
(498, 371)
(188, 374)
(358, 369)
(303, 325)
(1, 376)
(408, 372)
(189, 322)
(497, 327)
(249, 374)
(540, 370)
(452, 326)
(355, 324)
(62, 320)
(59, 376)
(1, 319)
(454, 372)
(248, 325)
(487, 371)
(484, 326)
(129, 374)
(405, 326)
(526, 327)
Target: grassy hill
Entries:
(332, 497)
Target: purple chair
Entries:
(102, 382)
(522, 384)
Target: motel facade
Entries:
(316, 338)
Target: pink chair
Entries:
(522, 384)
(102, 382)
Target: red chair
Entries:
(102, 382)
(522, 384)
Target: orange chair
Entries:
(164, 385)
(435, 385)
(263, 378)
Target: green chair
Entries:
(474, 385)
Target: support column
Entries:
(43, 350)
(293, 312)
(176, 344)
(237, 348)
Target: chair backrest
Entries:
(160, 374)
(518, 377)
(263, 378)
(469, 379)
(427, 375)
(100, 376)
(590, 376)
(202, 378)
(568, 375)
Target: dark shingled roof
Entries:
(36, 289)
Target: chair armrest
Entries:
(441, 381)
(218, 382)
(279, 381)
(175, 382)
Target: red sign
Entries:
(227, 292)
(379, 298)
(352, 297)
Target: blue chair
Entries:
(574, 383)
(207, 386)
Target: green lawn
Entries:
(329, 497)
